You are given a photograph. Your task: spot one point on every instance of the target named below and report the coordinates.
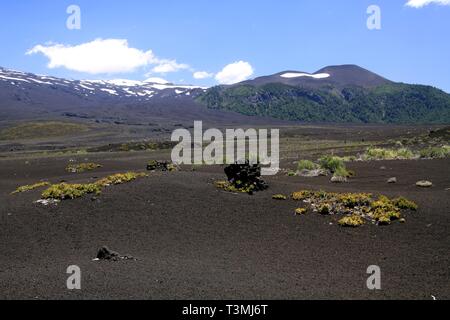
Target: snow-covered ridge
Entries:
(301, 74)
(142, 90)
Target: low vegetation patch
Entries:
(134, 146)
(63, 191)
(326, 165)
(120, 178)
(300, 211)
(351, 221)
(357, 208)
(82, 167)
(435, 152)
(35, 130)
(31, 187)
(306, 165)
(388, 154)
(331, 163)
(236, 188)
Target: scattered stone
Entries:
(106, 254)
(47, 202)
(402, 220)
(155, 165)
(312, 173)
(424, 184)
(382, 168)
(392, 180)
(338, 179)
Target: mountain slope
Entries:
(28, 97)
(333, 94)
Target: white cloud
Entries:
(96, 57)
(166, 66)
(235, 72)
(422, 3)
(202, 75)
(104, 56)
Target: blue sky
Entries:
(265, 36)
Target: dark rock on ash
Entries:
(106, 254)
(246, 176)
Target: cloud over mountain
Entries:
(235, 72)
(104, 56)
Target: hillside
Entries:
(333, 94)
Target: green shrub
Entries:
(279, 197)
(435, 152)
(331, 163)
(388, 154)
(403, 203)
(306, 165)
(341, 172)
(291, 174)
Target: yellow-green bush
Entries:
(70, 191)
(324, 209)
(403, 203)
(227, 186)
(30, 187)
(301, 195)
(351, 221)
(120, 178)
(356, 206)
(300, 211)
(279, 197)
(352, 200)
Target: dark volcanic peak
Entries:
(353, 75)
(336, 76)
(346, 93)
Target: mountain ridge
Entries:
(342, 93)
(345, 93)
